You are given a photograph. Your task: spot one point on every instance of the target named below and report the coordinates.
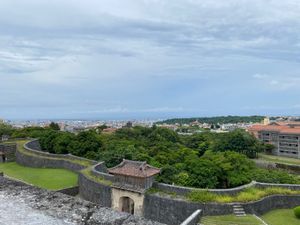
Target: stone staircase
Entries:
(238, 210)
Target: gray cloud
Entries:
(145, 54)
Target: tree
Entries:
(62, 142)
(182, 178)
(203, 173)
(54, 126)
(168, 174)
(238, 141)
(268, 148)
(6, 129)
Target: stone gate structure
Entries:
(131, 180)
(7, 152)
(125, 186)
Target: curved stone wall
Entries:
(94, 191)
(100, 170)
(174, 211)
(35, 158)
(90, 190)
(270, 203)
(179, 190)
(155, 207)
(182, 191)
(34, 147)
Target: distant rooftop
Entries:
(289, 127)
(134, 169)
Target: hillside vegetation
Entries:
(215, 120)
(205, 160)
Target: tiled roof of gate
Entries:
(134, 169)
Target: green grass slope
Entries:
(51, 179)
(281, 217)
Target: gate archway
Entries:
(126, 204)
(2, 157)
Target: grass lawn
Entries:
(279, 159)
(281, 217)
(51, 179)
(230, 220)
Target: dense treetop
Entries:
(215, 120)
(204, 160)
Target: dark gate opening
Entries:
(126, 205)
(2, 157)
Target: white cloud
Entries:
(261, 76)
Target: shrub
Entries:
(202, 196)
(274, 176)
(247, 195)
(297, 212)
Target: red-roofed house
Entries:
(285, 136)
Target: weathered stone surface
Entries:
(93, 191)
(54, 204)
(9, 150)
(138, 220)
(105, 216)
(174, 211)
(70, 209)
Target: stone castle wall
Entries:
(33, 157)
(94, 191)
(100, 170)
(64, 207)
(174, 211)
(9, 150)
(179, 190)
(164, 209)
(72, 191)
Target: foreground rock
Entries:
(105, 216)
(57, 208)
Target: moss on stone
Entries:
(20, 148)
(88, 173)
(247, 195)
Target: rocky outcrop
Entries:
(61, 206)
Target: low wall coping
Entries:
(48, 154)
(193, 219)
(102, 174)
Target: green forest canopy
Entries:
(204, 160)
(215, 120)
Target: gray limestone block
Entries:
(134, 220)
(105, 216)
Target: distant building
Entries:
(128, 124)
(169, 126)
(266, 121)
(109, 130)
(285, 136)
(195, 123)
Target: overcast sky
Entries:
(148, 58)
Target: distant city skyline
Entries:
(135, 59)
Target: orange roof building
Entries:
(285, 136)
(134, 175)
